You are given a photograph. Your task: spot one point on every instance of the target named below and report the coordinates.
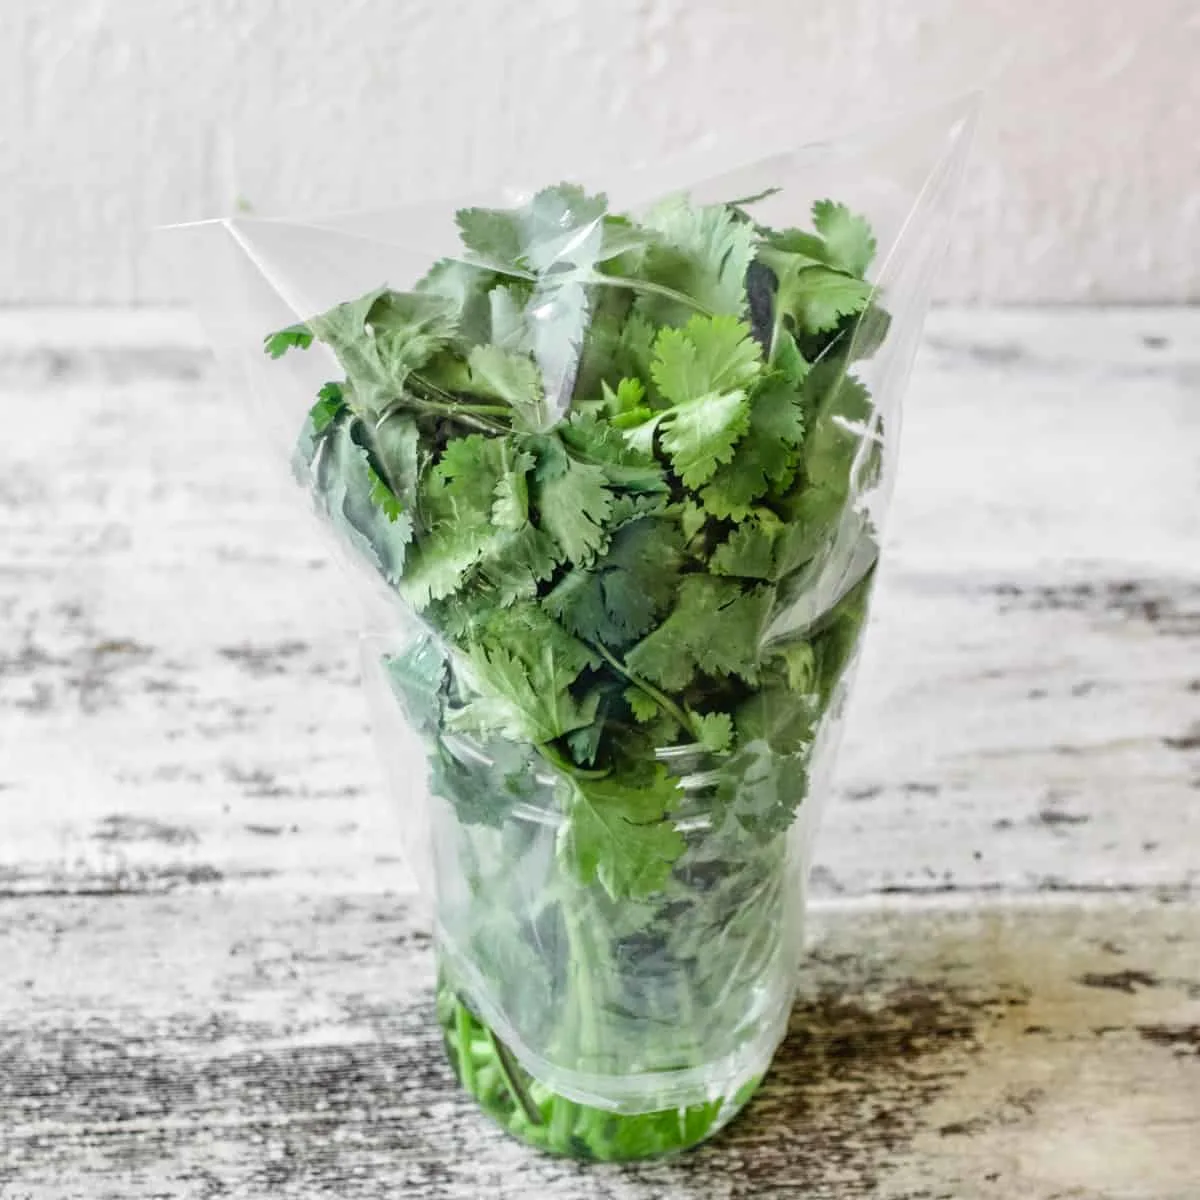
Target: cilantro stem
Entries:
(474, 415)
(432, 398)
(510, 1073)
(462, 1028)
(656, 289)
(464, 414)
(483, 410)
(660, 698)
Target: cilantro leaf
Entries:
(691, 519)
(842, 239)
(331, 401)
(849, 242)
(626, 399)
(619, 835)
(749, 551)
(457, 502)
(383, 497)
(483, 778)
(768, 548)
(468, 288)
(709, 354)
(625, 466)
(294, 337)
(837, 642)
(537, 234)
(510, 509)
(396, 447)
(819, 298)
(714, 730)
(635, 351)
(816, 297)
(382, 337)
(417, 675)
(787, 359)
(555, 240)
(493, 234)
(331, 398)
(714, 628)
(645, 708)
(620, 597)
(701, 253)
(356, 500)
(584, 743)
(811, 516)
(509, 327)
(573, 503)
(700, 434)
(764, 459)
(514, 378)
(513, 564)
(520, 666)
(841, 407)
(702, 370)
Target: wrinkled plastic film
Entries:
(676, 998)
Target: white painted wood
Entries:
(180, 720)
(267, 1045)
(178, 662)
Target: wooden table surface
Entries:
(216, 982)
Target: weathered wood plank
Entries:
(257, 1044)
(178, 698)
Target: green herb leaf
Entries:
(514, 378)
(621, 596)
(382, 337)
(764, 459)
(513, 565)
(331, 401)
(701, 253)
(849, 242)
(714, 730)
(815, 298)
(469, 289)
(715, 628)
(645, 708)
(841, 408)
(396, 447)
(702, 370)
(618, 834)
(457, 504)
(510, 509)
(574, 503)
(626, 467)
(357, 500)
(418, 676)
(294, 337)
(520, 665)
(710, 354)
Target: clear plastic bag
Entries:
(616, 483)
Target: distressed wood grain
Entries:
(212, 985)
(253, 1044)
(178, 659)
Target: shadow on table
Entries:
(848, 1086)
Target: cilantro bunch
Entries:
(602, 459)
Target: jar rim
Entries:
(694, 783)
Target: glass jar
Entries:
(598, 1026)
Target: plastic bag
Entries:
(617, 483)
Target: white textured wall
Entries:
(117, 114)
